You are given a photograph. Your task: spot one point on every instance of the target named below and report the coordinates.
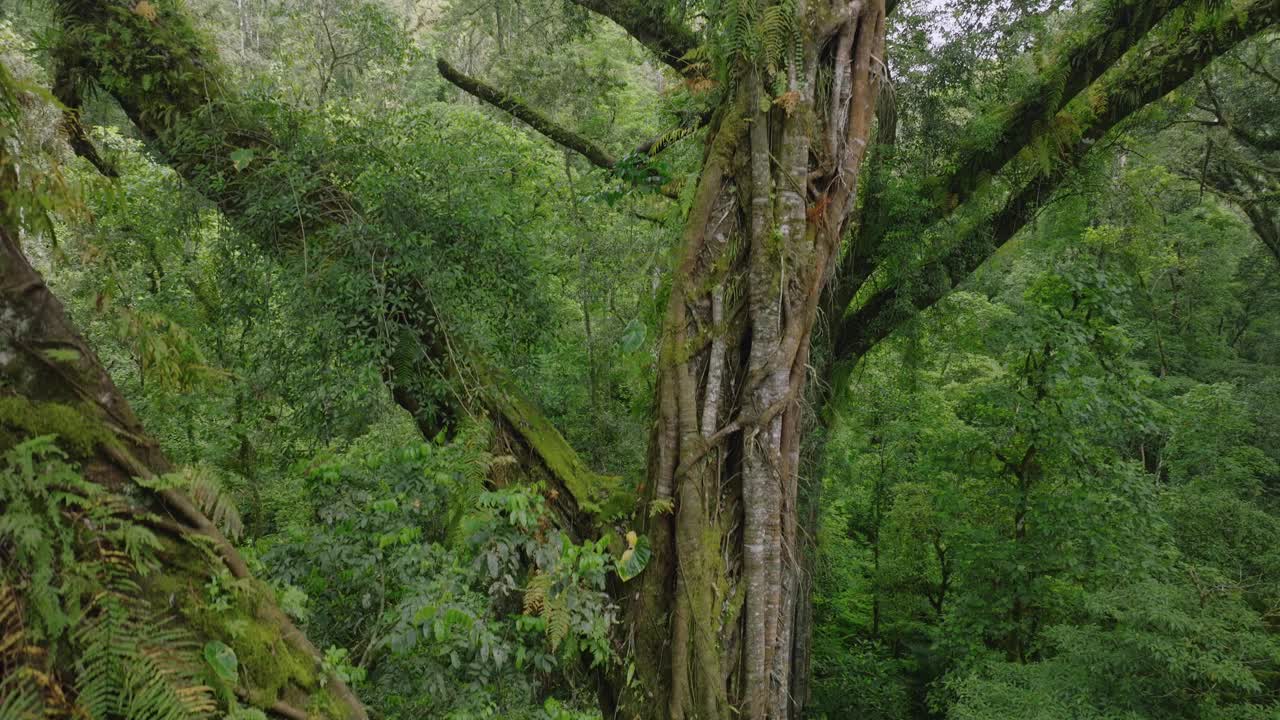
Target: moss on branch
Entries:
(597, 155)
(1162, 67)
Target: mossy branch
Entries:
(1161, 69)
(66, 92)
(650, 24)
(558, 134)
(1083, 57)
(1072, 67)
(194, 121)
(589, 499)
(595, 154)
(73, 396)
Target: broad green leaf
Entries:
(242, 157)
(223, 660)
(634, 559)
(62, 355)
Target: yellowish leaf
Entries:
(145, 10)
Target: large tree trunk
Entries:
(282, 669)
(715, 618)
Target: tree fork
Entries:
(1071, 69)
(1132, 85)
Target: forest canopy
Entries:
(643, 359)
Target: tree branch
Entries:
(1073, 67)
(121, 450)
(595, 154)
(1143, 80)
(65, 91)
(1259, 68)
(1242, 134)
(187, 110)
(1076, 66)
(562, 136)
(647, 21)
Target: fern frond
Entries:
(77, 555)
(134, 664)
(208, 495)
(19, 700)
(556, 613)
(535, 595)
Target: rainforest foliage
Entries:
(407, 359)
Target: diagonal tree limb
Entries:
(562, 136)
(1071, 67)
(595, 154)
(78, 386)
(1241, 133)
(66, 92)
(1250, 188)
(1160, 70)
(192, 120)
(650, 24)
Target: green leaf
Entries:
(242, 157)
(634, 559)
(223, 660)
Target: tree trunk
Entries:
(714, 616)
(282, 669)
(759, 244)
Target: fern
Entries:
(535, 595)
(671, 137)
(777, 32)
(19, 700)
(213, 500)
(132, 664)
(19, 696)
(765, 37)
(541, 600)
(556, 613)
(77, 635)
(208, 494)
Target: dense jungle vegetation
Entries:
(644, 359)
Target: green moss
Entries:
(324, 705)
(269, 667)
(79, 433)
(600, 495)
(730, 133)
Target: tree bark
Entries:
(773, 199)
(33, 323)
